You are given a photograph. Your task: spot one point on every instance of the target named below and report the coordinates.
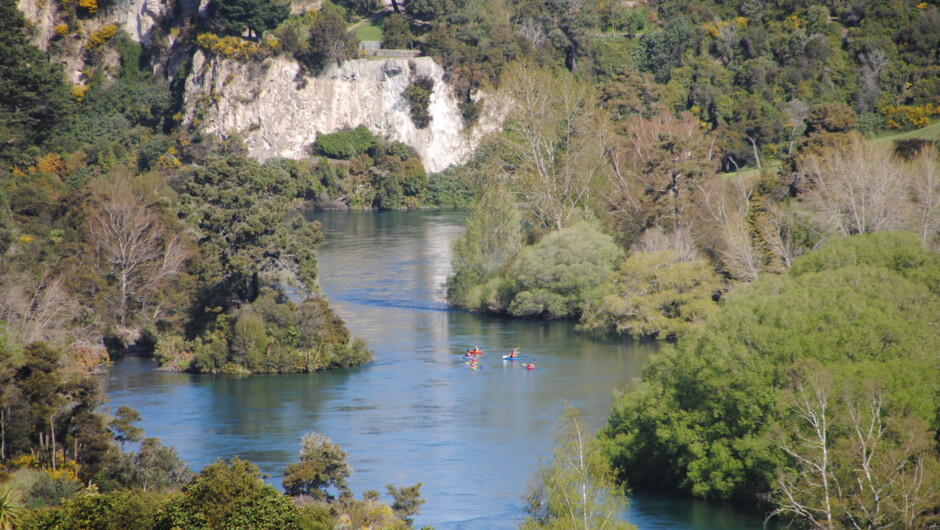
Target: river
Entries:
(418, 413)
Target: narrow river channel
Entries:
(418, 413)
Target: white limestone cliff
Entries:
(275, 117)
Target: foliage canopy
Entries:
(703, 416)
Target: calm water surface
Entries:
(418, 413)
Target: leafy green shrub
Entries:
(418, 95)
(150, 152)
(909, 148)
(53, 491)
(345, 144)
(654, 295)
(128, 510)
(554, 274)
(292, 34)
(228, 495)
(448, 190)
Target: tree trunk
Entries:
(52, 431)
(3, 434)
(395, 7)
(756, 156)
(124, 291)
(255, 287)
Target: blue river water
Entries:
(418, 413)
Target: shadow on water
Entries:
(418, 413)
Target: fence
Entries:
(373, 48)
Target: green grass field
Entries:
(370, 29)
(930, 132)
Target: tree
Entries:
(160, 466)
(134, 247)
(360, 7)
(322, 465)
(432, 10)
(493, 236)
(576, 488)
(553, 142)
(654, 295)
(256, 15)
(328, 43)
(123, 426)
(36, 101)
(812, 501)
(119, 510)
(228, 495)
(9, 398)
(36, 308)
(830, 118)
(852, 461)
(554, 275)
(407, 501)
(567, 23)
(857, 190)
(345, 144)
(661, 51)
(703, 418)
(925, 193)
(40, 381)
(658, 166)
(396, 32)
(240, 210)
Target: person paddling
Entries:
(515, 353)
(529, 366)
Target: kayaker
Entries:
(529, 366)
(515, 353)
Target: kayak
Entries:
(508, 358)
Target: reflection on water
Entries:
(418, 413)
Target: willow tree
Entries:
(552, 147)
(494, 235)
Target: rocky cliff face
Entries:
(263, 102)
(138, 18)
(276, 118)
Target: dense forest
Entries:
(755, 183)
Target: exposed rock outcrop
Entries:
(263, 103)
